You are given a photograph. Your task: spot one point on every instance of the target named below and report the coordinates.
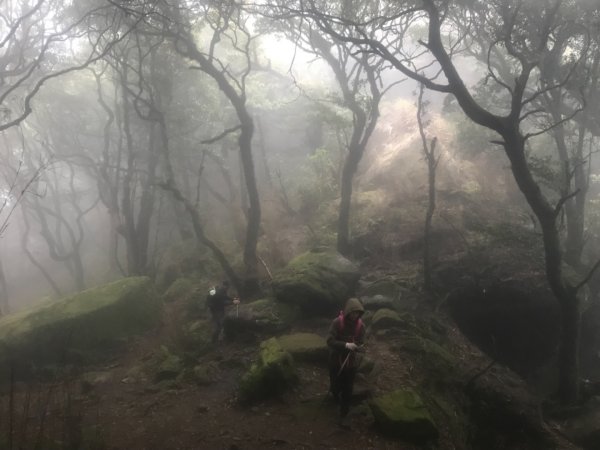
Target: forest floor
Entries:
(136, 413)
(119, 405)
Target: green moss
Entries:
(260, 317)
(386, 318)
(305, 346)
(270, 376)
(84, 324)
(403, 413)
(204, 374)
(170, 366)
(181, 289)
(435, 357)
(317, 281)
(196, 337)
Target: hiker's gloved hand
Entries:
(236, 301)
(351, 346)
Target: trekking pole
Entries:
(347, 358)
(344, 364)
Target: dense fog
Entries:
(190, 191)
(99, 113)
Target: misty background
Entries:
(88, 154)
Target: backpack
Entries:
(357, 328)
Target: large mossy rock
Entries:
(168, 365)
(260, 317)
(402, 413)
(305, 347)
(79, 327)
(318, 282)
(270, 376)
(386, 318)
(196, 337)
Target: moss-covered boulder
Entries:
(82, 326)
(402, 413)
(270, 376)
(204, 374)
(319, 282)
(305, 347)
(377, 302)
(385, 287)
(182, 288)
(196, 336)
(257, 318)
(386, 318)
(169, 366)
(441, 363)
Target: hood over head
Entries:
(353, 304)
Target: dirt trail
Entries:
(133, 412)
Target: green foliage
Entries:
(471, 139)
(546, 171)
(321, 182)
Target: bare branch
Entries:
(222, 135)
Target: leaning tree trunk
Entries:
(564, 293)
(238, 101)
(514, 146)
(191, 209)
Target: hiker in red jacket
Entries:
(346, 336)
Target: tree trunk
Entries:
(250, 257)
(128, 227)
(431, 172)
(573, 180)
(575, 226)
(565, 294)
(569, 347)
(146, 208)
(343, 225)
(43, 271)
(238, 101)
(4, 304)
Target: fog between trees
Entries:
(257, 130)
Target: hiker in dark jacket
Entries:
(346, 336)
(216, 301)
